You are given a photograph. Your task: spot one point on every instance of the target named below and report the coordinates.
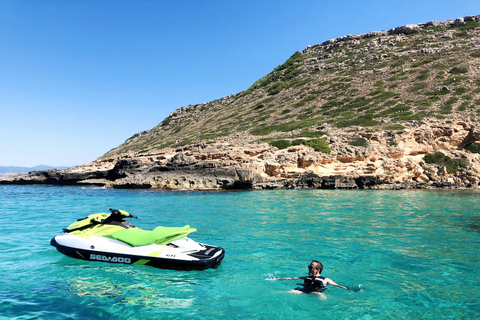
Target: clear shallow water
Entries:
(415, 254)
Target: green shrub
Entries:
(268, 100)
(364, 121)
(390, 103)
(476, 54)
(311, 134)
(359, 142)
(263, 130)
(473, 147)
(292, 62)
(378, 91)
(319, 145)
(458, 70)
(386, 95)
(166, 121)
(299, 104)
(292, 73)
(430, 59)
(394, 110)
(452, 165)
(284, 127)
(426, 103)
(398, 63)
(395, 127)
(418, 86)
(276, 88)
(296, 125)
(407, 116)
(469, 25)
(423, 75)
(297, 142)
(281, 144)
(440, 66)
(463, 106)
(393, 86)
(434, 158)
(299, 83)
(462, 34)
(359, 102)
(447, 107)
(425, 61)
(453, 80)
(132, 137)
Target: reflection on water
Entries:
(136, 289)
(154, 301)
(473, 226)
(88, 287)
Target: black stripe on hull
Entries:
(90, 255)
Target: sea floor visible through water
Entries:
(404, 254)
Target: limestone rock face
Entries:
(390, 160)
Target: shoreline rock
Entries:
(391, 160)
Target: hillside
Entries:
(384, 80)
(384, 110)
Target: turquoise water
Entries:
(407, 254)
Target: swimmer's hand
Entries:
(359, 288)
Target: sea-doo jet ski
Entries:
(108, 237)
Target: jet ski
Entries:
(110, 238)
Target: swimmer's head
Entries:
(315, 268)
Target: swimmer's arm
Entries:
(288, 278)
(333, 283)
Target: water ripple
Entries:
(402, 254)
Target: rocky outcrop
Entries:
(388, 160)
(405, 30)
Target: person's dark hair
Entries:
(319, 266)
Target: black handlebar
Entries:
(117, 212)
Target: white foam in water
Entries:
(271, 276)
(358, 288)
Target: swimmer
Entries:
(314, 283)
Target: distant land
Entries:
(8, 170)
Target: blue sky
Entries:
(79, 77)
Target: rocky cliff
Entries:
(384, 110)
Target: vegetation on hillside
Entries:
(451, 165)
(387, 81)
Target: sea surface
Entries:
(403, 254)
